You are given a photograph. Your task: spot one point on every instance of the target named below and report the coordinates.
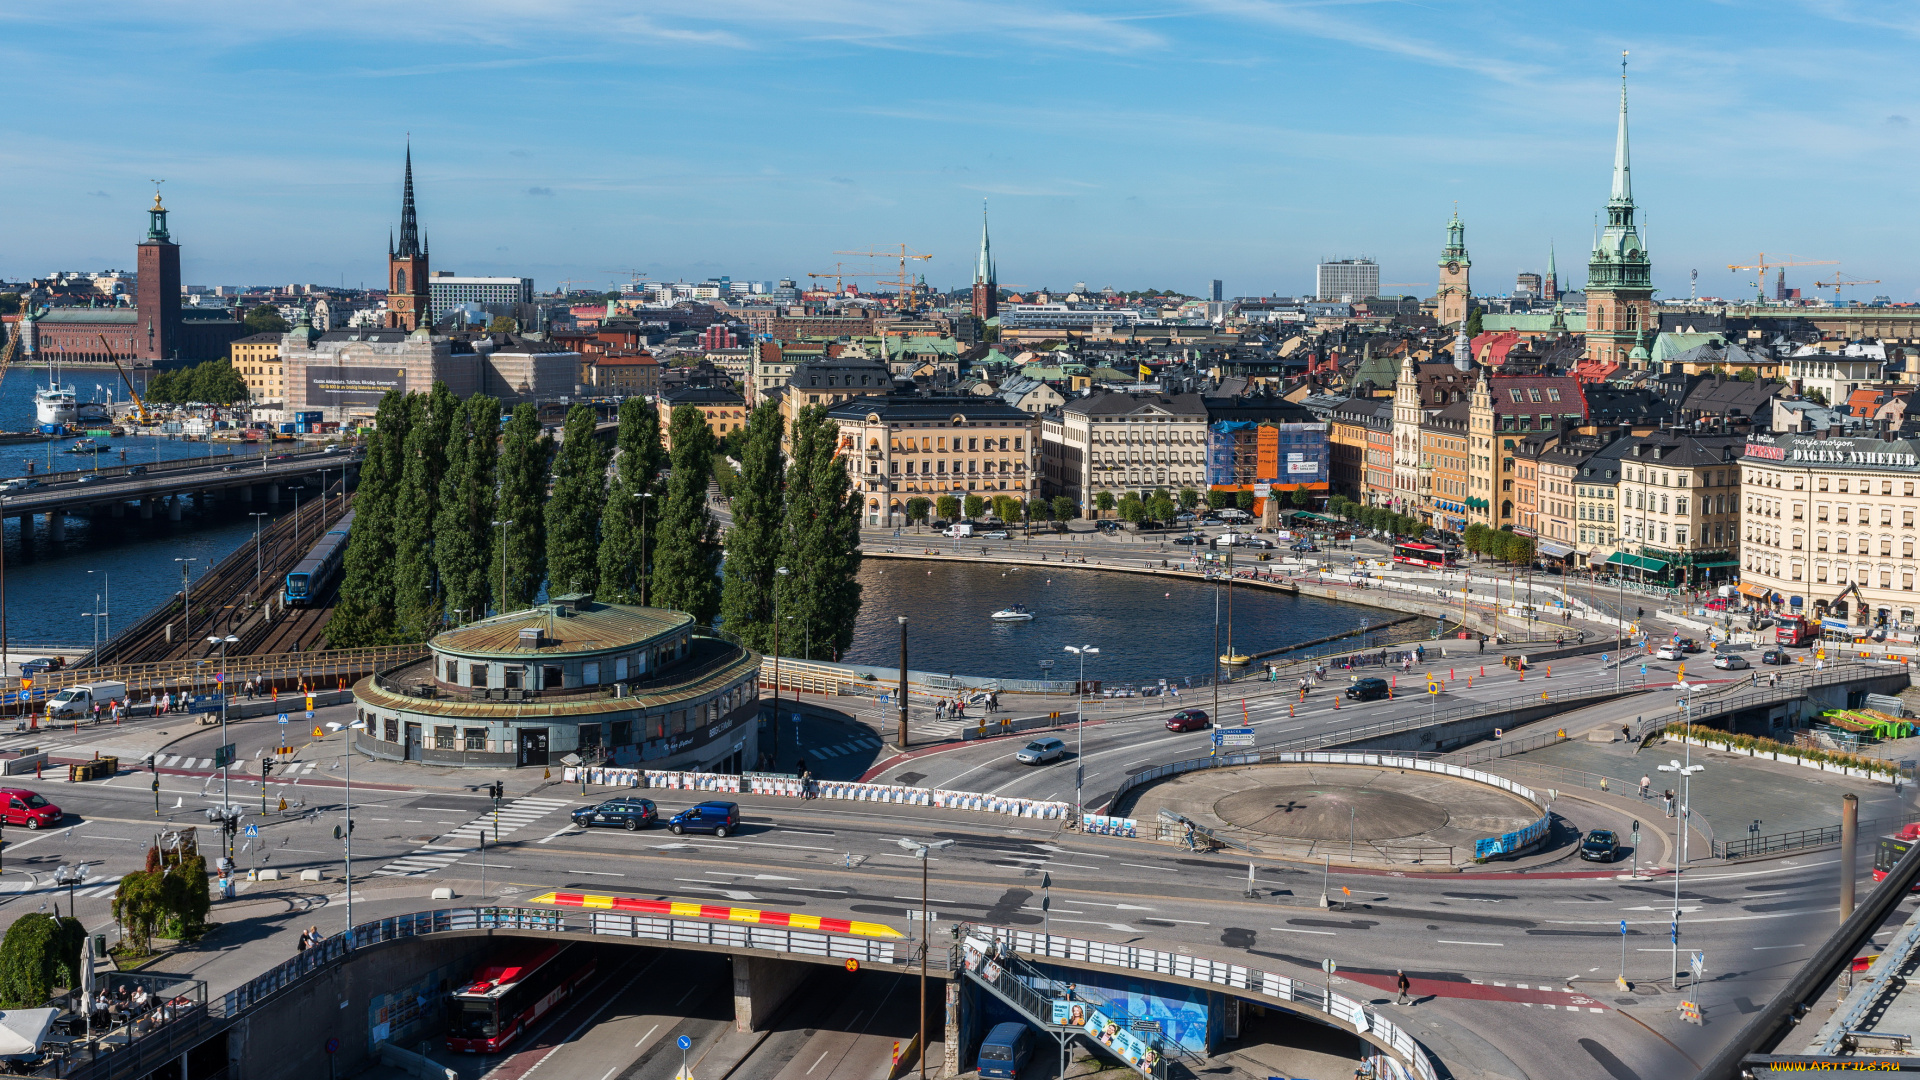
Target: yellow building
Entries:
(257, 358)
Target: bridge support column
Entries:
(173, 507)
(202, 500)
(246, 493)
(146, 508)
(57, 526)
(117, 510)
(959, 1005)
(273, 494)
(760, 985)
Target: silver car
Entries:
(1041, 751)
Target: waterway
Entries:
(50, 586)
(1146, 628)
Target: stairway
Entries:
(1031, 993)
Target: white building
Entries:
(1346, 280)
(448, 291)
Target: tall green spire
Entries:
(983, 273)
(1622, 166)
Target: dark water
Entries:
(1146, 628)
(49, 585)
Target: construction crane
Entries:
(139, 407)
(903, 283)
(837, 274)
(1842, 281)
(633, 278)
(1761, 265)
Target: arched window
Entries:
(1633, 317)
(400, 279)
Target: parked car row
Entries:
(633, 814)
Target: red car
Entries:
(22, 807)
(1188, 720)
(1719, 603)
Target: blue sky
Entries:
(1126, 143)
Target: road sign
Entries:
(853, 965)
(283, 718)
(1233, 737)
(253, 830)
(1623, 928)
(318, 734)
(1676, 931)
(1698, 963)
(333, 1046)
(914, 916)
(309, 714)
(223, 756)
(1329, 966)
(683, 1043)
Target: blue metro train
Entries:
(309, 578)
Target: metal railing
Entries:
(320, 669)
(1013, 981)
(1800, 839)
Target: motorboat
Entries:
(1016, 613)
(86, 446)
(1236, 659)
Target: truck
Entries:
(960, 529)
(77, 701)
(1793, 630)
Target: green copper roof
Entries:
(1533, 322)
(1669, 345)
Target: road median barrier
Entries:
(793, 787)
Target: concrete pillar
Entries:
(117, 510)
(202, 500)
(760, 985)
(173, 507)
(146, 508)
(950, 1042)
(246, 493)
(57, 526)
(273, 494)
(1849, 851)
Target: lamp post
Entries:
(921, 851)
(186, 597)
(105, 604)
(70, 876)
(95, 616)
(256, 516)
(227, 766)
(1080, 724)
(503, 526)
(1686, 772)
(903, 681)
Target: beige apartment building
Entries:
(1679, 497)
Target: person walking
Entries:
(1402, 984)
(1646, 782)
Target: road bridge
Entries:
(150, 490)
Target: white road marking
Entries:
(596, 873)
(649, 1033)
(1764, 948)
(1293, 930)
(817, 1061)
(1490, 944)
(1143, 866)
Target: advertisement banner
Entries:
(1130, 1047)
(1069, 1013)
(352, 385)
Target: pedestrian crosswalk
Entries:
(861, 745)
(180, 761)
(451, 847)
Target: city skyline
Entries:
(1115, 148)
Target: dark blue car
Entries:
(718, 818)
(629, 814)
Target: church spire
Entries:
(983, 274)
(1622, 166)
(409, 227)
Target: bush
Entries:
(39, 953)
(1770, 746)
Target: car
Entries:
(136, 470)
(1212, 521)
(18, 806)
(1189, 720)
(230, 468)
(1670, 652)
(1254, 542)
(1775, 657)
(1005, 1051)
(1600, 845)
(89, 478)
(997, 534)
(1041, 751)
(630, 814)
(1183, 517)
(1731, 662)
(1189, 540)
(42, 664)
(1368, 689)
(20, 483)
(1687, 644)
(1719, 603)
(718, 818)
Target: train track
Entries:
(228, 598)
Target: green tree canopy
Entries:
(1189, 498)
(688, 559)
(917, 508)
(948, 507)
(364, 616)
(573, 510)
(755, 540)
(265, 319)
(1064, 508)
(503, 324)
(976, 506)
(525, 455)
(633, 503)
(822, 539)
(463, 521)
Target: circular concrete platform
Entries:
(1363, 813)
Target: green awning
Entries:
(1715, 565)
(1650, 565)
(1317, 517)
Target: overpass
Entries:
(154, 488)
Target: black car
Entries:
(1367, 689)
(718, 818)
(1601, 845)
(1775, 656)
(1190, 538)
(630, 814)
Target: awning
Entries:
(1650, 565)
(1558, 551)
(1755, 591)
(1714, 565)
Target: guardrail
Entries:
(1800, 839)
(1336, 1010)
(313, 669)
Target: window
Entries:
(474, 738)
(443, 738)
(453, 671)
(477, 674)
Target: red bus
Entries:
(1892, 850)
(1424, 555)
(520, 983)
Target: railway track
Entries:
(228, 599)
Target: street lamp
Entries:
(1080, 724)
(1686, 772)
(69, 876)
(95, 616)
(903, 680)
(921, 851)
(503, 526)
(256, 516)
(186, 597)
(223, 642)
(106, 609)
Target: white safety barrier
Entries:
(848, 790)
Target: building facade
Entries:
(408, 300)
(897, 447)
(1121, 442)
(257, 358)
(1679, 497)
(631, 685)
(1619, 272)
(502, 295)
(1829, 530)
(1346, 280)
(725, 410)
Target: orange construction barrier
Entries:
(1483, 671)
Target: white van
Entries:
(76, 701)
(1233, 514)
(960, 529)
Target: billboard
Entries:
(352, 384)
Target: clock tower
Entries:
(1456, 293)
(1619, 272)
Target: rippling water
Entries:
(1146, 628)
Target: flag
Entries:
(1146, 372)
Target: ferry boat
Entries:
(57, 407)
(1016, 613)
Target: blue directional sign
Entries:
(684, 1043)
(253, 830)
(1676, 931)
(1623, 928)
(1242, 736)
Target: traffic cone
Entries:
(1483, 671)
(1336, 703)
(1549, 671)
(1289, 708)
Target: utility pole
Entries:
(903, 681)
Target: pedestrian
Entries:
(304, 941)
(1483, 643)
(806, 783)
(1403, 984)
(1189, 837)
(1667, 801)
(1646, 781)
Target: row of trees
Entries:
(1497, 544)
(1376, 517)
(216, 382)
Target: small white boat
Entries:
(1016, 613)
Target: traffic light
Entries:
(266, 768)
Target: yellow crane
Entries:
(139, 407)
(838, 273)
(1762, 265)
(904, 283)
(1842, 281)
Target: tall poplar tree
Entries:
(463, 525)
(687, 561)
(524, 461)
(633, 504)
(822, 538)
(364, 615)
(573, 513)
(753, 540)
(417, 599)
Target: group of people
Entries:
(310, 938)
(957, 708)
